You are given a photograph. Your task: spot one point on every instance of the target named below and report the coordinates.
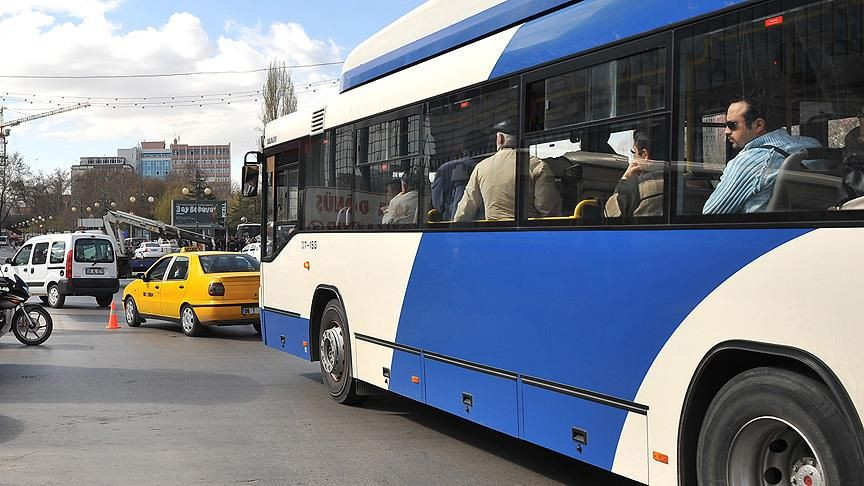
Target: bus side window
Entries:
(808, 90)
(612, 173)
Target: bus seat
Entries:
(799, 187)
(579, 211)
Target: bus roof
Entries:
(445, 45)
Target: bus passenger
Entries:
(748, 179)
(403, 207)
(449, 185)
(492, 186)
(640, 190)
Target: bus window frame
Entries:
(271, 166)
(663, 40)
(393, 115)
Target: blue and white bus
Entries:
(665, 345)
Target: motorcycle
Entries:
(30, 323)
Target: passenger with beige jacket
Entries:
(492, 185)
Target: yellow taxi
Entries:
(197, 289)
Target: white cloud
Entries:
(74, 37)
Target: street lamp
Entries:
(143, 197)
(207, 191)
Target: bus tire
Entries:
(770, 425)
(335, 349)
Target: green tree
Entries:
(240, 207)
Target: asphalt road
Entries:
(152, 406)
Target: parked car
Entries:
(149, 249)
(197, 289)
(59, 265)
(131, 244)
(253, 250)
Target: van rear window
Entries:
(94, 251)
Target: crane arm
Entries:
(43, 115)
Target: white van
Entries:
(55, 266)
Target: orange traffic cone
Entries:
(112, 319)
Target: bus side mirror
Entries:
(251, 172)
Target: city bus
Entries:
(654, 339)
(249, 230)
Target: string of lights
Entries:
(160, 75)
(37, 102)
(117, 98)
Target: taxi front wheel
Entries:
(189, 322)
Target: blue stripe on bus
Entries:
(295, 330)
(500, 16)
(593, 23)
(590, 309)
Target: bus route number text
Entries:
(309, 245)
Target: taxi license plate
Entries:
(94, 271)
(249, 310)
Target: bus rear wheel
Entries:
(335, 350)
(772, 426)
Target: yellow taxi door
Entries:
(173, 289)
(148, 301)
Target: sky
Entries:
(122, 37)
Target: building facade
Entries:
(101, 163)
(211, 162)
(131, 155)
(154, 160)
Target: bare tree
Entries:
(13, 175)
(279, 98)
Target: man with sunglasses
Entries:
(748, 179)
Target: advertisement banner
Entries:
(204, 214)
(327, 207)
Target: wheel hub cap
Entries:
(187, 320)
(32, 325)
(332, 350)
(770, 451)
(806, 472)
(130, 313)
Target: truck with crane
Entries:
(126, 263)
